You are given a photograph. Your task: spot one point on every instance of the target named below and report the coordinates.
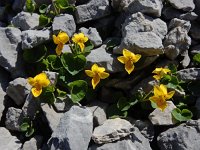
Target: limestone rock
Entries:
(18, 89)
(93, 10)
(33, 38)
(120, 5)
(26, 21)
(14, 119)
(7, 141)
(33, 144)
(112, 130)
(52, 76)
(185, 5)
(189, 74)
(93, 35)
(64, 22)
(10, 52)
(77, 120)
(183, 137)
(158, 117)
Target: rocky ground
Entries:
(164, 31)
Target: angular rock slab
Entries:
(33, 38)
(33, 144)
(142, 34)
(185, 5)
(189, 74)
(74, 130)
(18, 89)
(10, 52)
(151, 7)
(158, 117)
(7, 141)
(183, 137)
(64, 22)
(93, 10)
(112, 130)
(26, 21)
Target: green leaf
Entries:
(73, 63)
(24, 126)
(173, 68)
(123, 104)
(88, 46)
(30, 6)
(196, 58)
(61, 93)
(44, 20)
(43, 8)
(171, 86)
(48, 95)
(183, 115)
(166, 79)
(114, 112)
(30, 132)
(62, 4)
(78, 90)
(35, 55)
(194, 88)
(54, 61)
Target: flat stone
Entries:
(52, 76)
(33, 38)
(120, 5)
(34, 143)
(7, 141)
(26, 21)
(107, 60)
(93, 35)
(18, 89)
(93, 10)
(189, 74)
(63, 104)
(98, 110)
(112, 130)
(64, 22)
(186, 59)
(185, 5)
(14, 118)
(10, 52)
(52, 117)
(183, 137)
(158, 117)
(77, 120)
(151, 7)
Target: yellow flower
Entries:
(129, 59)
(160, 96)
(160, 73)
(96, 73)
(61, 39)
(80, 39)
(37, 83)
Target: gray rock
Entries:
(33, 38)
(52, 76)
(4, 80)
(183, 137)
(185, 5)
(93, 35)
(143, 35)
(189, 74)
(171, 13)
(26, 21)
(151, 7)
(64, 22)
(52, 117)
(63, 104)
(10, 52)
(195, 31)
(186, 59)
(158, 117)
(18, 89)
(31, 106)
(119, 5)
(18, 5)
(77, 120)
(98, 110)
(106, 60)
(112, 130)
(136, 141)
(7, 141)
(34, 143)
(177, 40)
(14, 118)
(146, 128)
(93, 10)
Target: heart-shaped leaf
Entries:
(183, 115)
(24, 126)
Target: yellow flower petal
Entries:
(126, 53)
(59, 49)
(165, 71)
(136, 58)
(157, 77)
(129, 67)
(85, 39)
(160, 102)
(36, 92)
(122, 59)
(95, 81)
(63, 37)
(55, 39)
(103, 75)
(42, 79)
(31, 81)
(157, 70)
(164, 89)
(95, 68)
(157, 91)
(170, 95)
(90, 73)
(82, 46)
